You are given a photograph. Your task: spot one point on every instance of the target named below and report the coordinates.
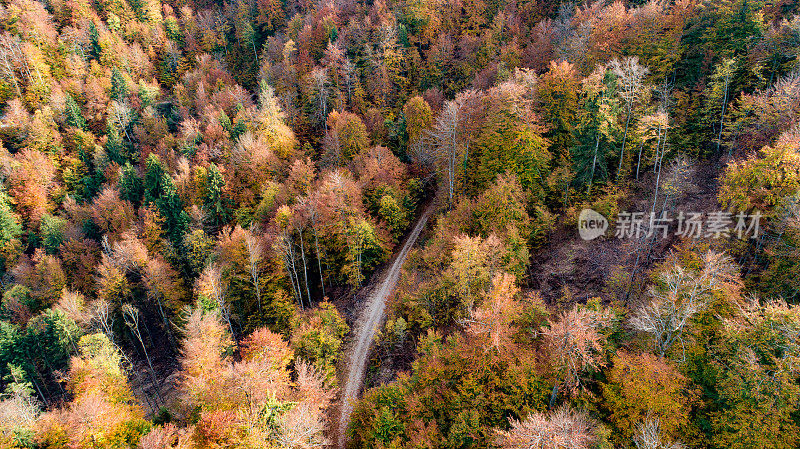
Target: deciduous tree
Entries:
(642, 388)
(630, 75)
(561, 428)
(575, 343)
(680, 294)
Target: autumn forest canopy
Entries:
(197, 198)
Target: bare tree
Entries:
(575, 342)
(160, 437)
(648, 436)
(105, 320)
(319, 85)
(122, 115)
(15, 56)
(19, 409)
(682, 294)
(631, 81)
(255, 252)
(73, 306)
(304, 425)
(664, 93)
(450, 136)
(285, 246)
(211, 285)
(723, 74)
(445, 137)
(131, 317)
(9, 54)
(419, 151)
(311, 207)
(562, 428)
(349, 78)
(663, 124)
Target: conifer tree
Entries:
(215, 201)
(130, 184)
(115, 148)
(153, 178)
(73, 112)
(119, 87)
(94, 41)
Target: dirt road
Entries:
(368, 322)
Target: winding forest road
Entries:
(367, 325)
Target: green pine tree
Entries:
(73, 112)
(153, 177)
(215, 202)
(94, 42)
(115, 148)
(119, 87)
(130, 184)
(171, 208)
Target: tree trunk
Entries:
(156, 383)
(254, 259)
(227, 315)
(291, 278)
(553, 396)
(255, 52)
(305, 266)
(254, 275)
(658, 149)
(49, 366)
(658, 176)
(33, 380)
(594, 162)
(452, 165)
(39, 389)
(319, 255)
(639, 162)
(11, 73)
(722, 116)
(624, 138)
(291, 269)
(167, 326)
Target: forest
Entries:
(198, 197)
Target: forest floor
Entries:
(570, 269)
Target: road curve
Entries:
(371, 317)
